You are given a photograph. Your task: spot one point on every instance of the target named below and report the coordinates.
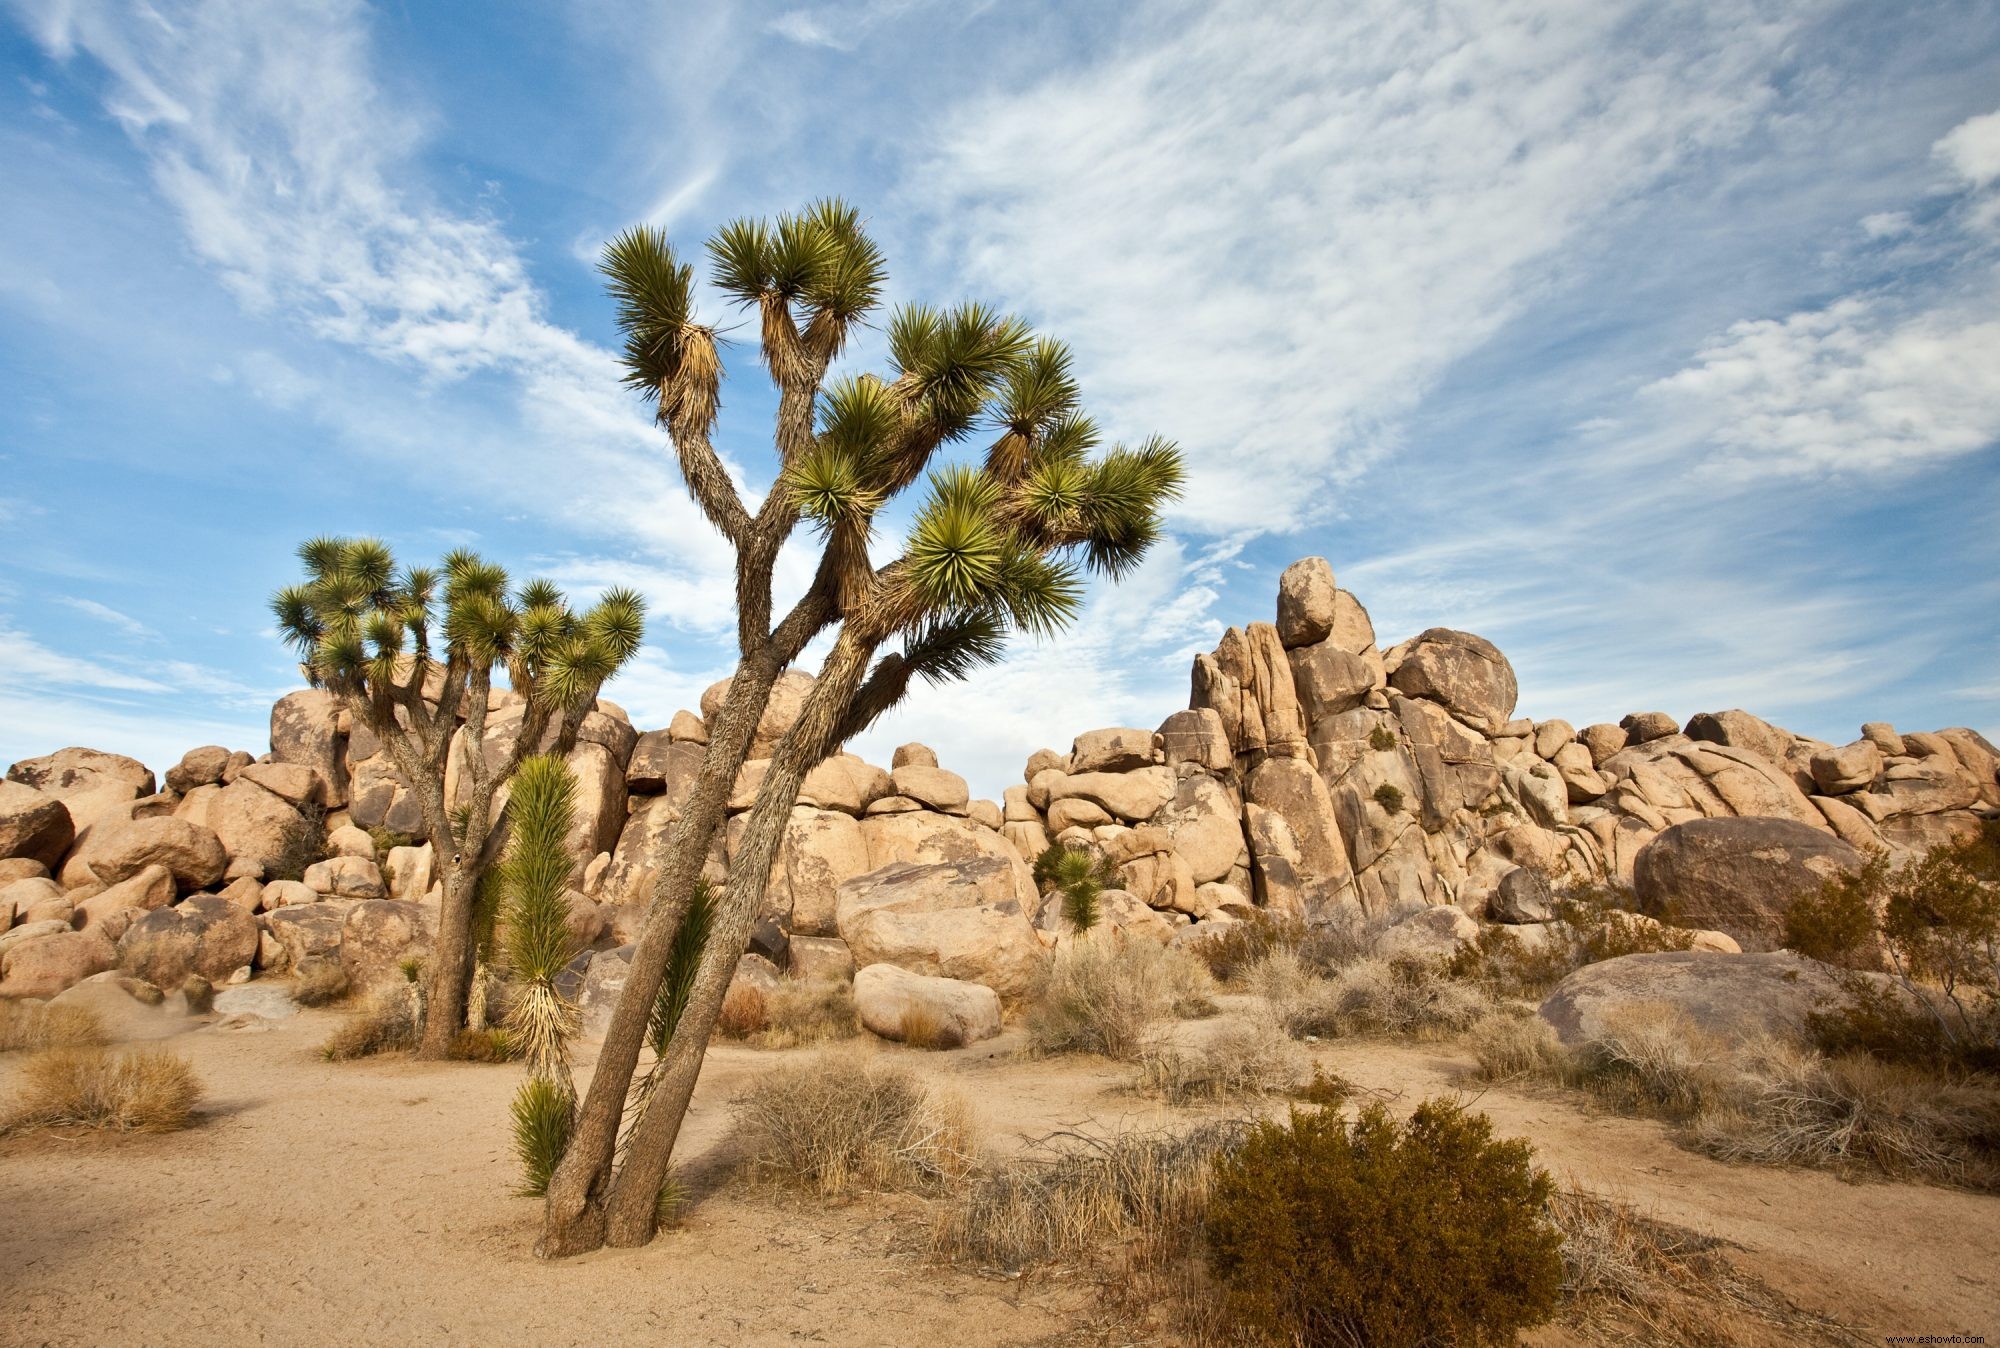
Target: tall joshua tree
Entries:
(994, 549)
(412, 656)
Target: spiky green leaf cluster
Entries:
(818, 264)
(358, 625)
(683, 962)
(1078, 874)
(544, 1113)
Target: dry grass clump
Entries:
(319, 982)
(1798, 1107)
(1405, 995)
(492, 1044)
(1334, 942)
(796, 1012)
(1652, 1058)
(922, 1027)
(844, 1121)
(146, 1091)
(39, 1025)
(1507, 1046)
(385, 1022)
(1631, 1278)
(1071, 1193)
(1099, 995)
(1247, 1057)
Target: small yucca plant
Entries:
(1081, 877)
(534, 884)
(544, 1112)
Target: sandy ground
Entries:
(369, 1203)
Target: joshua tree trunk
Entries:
(633, 1200)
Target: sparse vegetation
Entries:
(1245, 1057)
(1507, 1045)
(143, 1091)
(845, 1121)
(302, 844)
(1326, 1232)
(1381, 739)
(543, 1114)
(1390, 797)
(1334, 942)
(41, 1025)
(796, 1012)
(922, 1027)
(386, 840)
(492, 1044)
(319, 982)
(385, 1022)
(1098, 995)
(1404, 995)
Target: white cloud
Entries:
(1972, 149)
(295, 179)
(105, 613)
(25, 662)
(1886, 224)
(1269, 229)
(1852, 387)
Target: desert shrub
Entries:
(302, 843)
(1509, 965)
(1405, 995)
(1249, 1057)
(1067, 1195)
(1652, 1058)
(1326, 1232)
(744, 1012)
(1390, 797)
(385, 1022)
(1080, 875)
(40, 1025)
(147, 1091)
(492, 1044)
(922, 1027)
(319, 982)
(1506, 1046)
(387, 839)
(845, 1121)
(1098, 995)
(544, 1112)
(1836, 923)
(1798, 1107)
(1601, 922)
(1381, 739)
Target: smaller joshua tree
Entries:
(539, 946)
(412, 656)
(1080, 876)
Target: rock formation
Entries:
(1312, 773)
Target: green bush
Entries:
(544, 1111)
(1389, 797)
(1324, 1232)
(1079, 875)
(1381, 739)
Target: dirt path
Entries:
(369, 1202)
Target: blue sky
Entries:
(1657, 342)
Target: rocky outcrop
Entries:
(960, 920)
(1736, 997)
(887, 998)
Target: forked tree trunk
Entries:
(573, 1216)
(631, 1207)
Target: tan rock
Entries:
(823, 850)
(349, 878)
(1603, 740)
(932, 786)
(194, 854)
(1076, 812)
(409, 872)
(1196, 737)
(1133, 795)
(294, 783)
(959, 919)
(925, 839)
(1116, 749)
(1465, 673)
(1306, 596)
(886, 996)
(379, 934)
(1044, 760)
(1884, 737)
(45, 963)
(1291, 788)
(1643, 727)
(819, 959)
(305, 730)
(1205, 825)
(206, 935)
(894, 805)
(1848, 768)
(845, 783)
(252, 823)
(687, 728)
(749, 780)
(1738, 876)
(913, 754)
(34, 825)
(198, 767)
(662, 764)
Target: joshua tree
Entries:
(1080, 876)
(993, 549)
(412, 657)
(534, 880)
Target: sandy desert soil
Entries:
(369, 1203)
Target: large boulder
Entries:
(599, 980)
(781, 712)
(378, 798)
(1195, 736)
(1738, 876)
(44, 964)
(68, 773)
(206, 935)
(1329, 680)
(664, 766)
(347, 878)
(823, 850)
(305, 730)
(635, 861)
(885, 995)
(198, 767)
(1848, 768)
(932, 787)
(1735, 996)
(113, 911)
(1132, 796)
(923, 839)
(303, 932)
(1740, 730)
(845, 783)
(1306, 595)
(378, 935)
(1466, 673)
(191, 851)
(1247, 681)
(1115, 749)
(949, 919)
(34, 825)
(1289, 787)
(1435, 933)
(1205, 826)
(254, 824)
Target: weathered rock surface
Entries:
(1733, 996)
(193, 854)
(948, 919)
(1737, 875)
(34, 825)
(206, 935)
(1466, 673)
